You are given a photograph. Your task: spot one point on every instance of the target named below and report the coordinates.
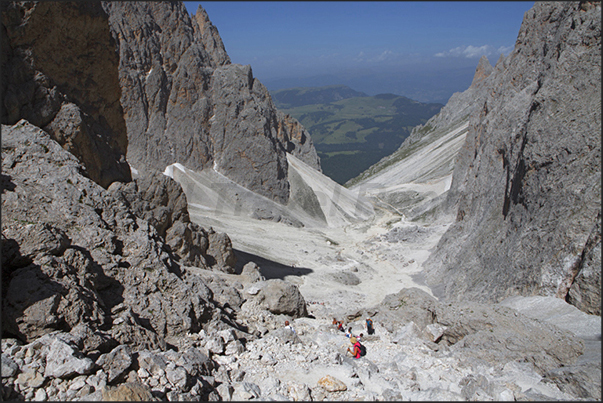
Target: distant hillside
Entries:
(294, 97)
(353, 133)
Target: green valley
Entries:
(351, 130)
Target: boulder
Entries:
(246, 391)
(195, 362)
(220, 252)
(9, 367)
(128, 392)
(151, 362)
(332, 384)
(30, 379)
(63, 360)
(280, 297)
(116, 363)
(252, 271)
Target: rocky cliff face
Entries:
(526, 184)
(144, 82)
(185, 102)
(59, 71)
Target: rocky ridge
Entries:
(526, 185)
(156, 80)
(181, 93)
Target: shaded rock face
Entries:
(526, 184)
(73, 93)
(184, 102)
(74, 253)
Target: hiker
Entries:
(334, 321)
(359, 338)
(369, 326)
(288, 326)
(340, 326)
(356, 348)
(349, 332)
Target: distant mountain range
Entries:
(431, 85)
(351, 130)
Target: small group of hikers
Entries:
(358, 350)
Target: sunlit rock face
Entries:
(184, 102)
(526, 184)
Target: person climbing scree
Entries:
(349, 332)
(369, 326)
(288, 326)
(356, 348)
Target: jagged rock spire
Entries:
(483, 70)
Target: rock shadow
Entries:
(6, 183)
(23, 285)
(269, 268)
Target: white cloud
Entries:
(505, 50)
(384, 56)
(473, 52)
(469, 52)
(360, 57)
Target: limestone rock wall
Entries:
(142, 82)
(59, 71)
(526, 184)
(185, 102)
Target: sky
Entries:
(365, 42)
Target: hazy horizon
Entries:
(424, 50)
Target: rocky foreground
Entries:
(114, 294)
(422, 350)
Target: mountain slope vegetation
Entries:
(351, 134)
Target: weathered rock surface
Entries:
(180, 93)
(161, 201)
(86, 252)
(46, 81)
(526, 184)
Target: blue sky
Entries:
(295, 39)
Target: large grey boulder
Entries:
(526, 186)
(63, 360)
(280, 297)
